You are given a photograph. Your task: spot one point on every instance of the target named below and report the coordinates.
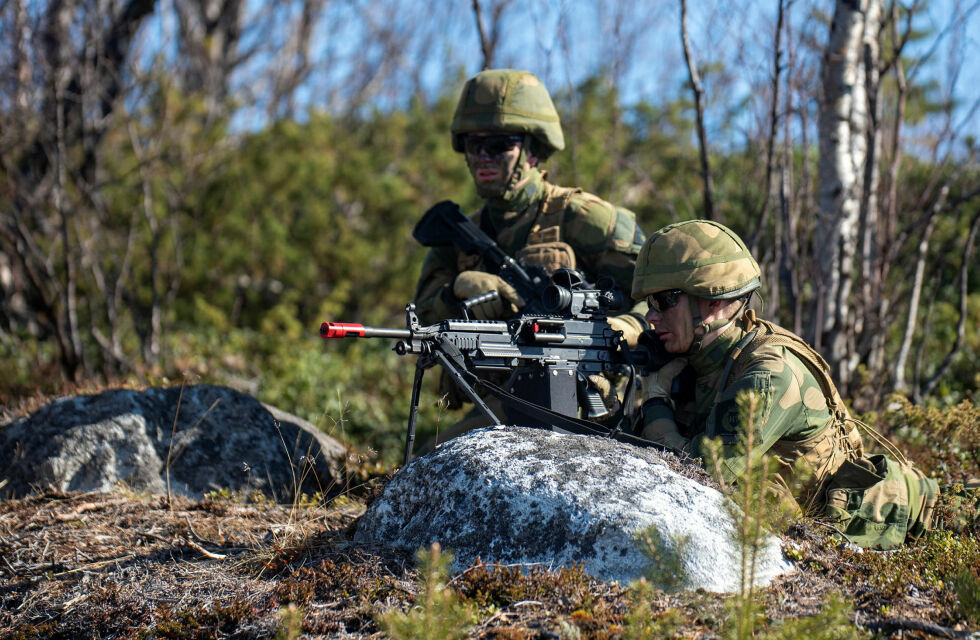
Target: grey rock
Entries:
(221, 439)
(526, 496)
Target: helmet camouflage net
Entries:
(699, 257)
(508, 101)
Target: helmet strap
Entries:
(518, 198)
(511, 191)
(702, 328)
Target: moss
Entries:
(202, 622)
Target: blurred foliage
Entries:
(918, 428)
(248, 241)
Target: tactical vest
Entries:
(821, 454)
(543, 245)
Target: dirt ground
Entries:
(80, 565)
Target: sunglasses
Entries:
(492, 145)
(663, 300)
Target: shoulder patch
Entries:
(728, 415)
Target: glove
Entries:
(470, 284)
(658, 383)
(629, 325)
(606, 391)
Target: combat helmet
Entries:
(508, 101)
(700, 257)
(703, 259)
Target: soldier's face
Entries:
(674, 326)
(491, 159)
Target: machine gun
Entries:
(558, 340)
(549, 358)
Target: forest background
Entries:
(188, 188)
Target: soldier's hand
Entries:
(470, 284)
(606, 390)
(629, 325)
(658, 383)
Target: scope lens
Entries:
(556, 299)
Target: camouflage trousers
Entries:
(878, 502)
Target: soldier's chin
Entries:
(490, 190)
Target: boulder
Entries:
(220, 438)
(515, 495)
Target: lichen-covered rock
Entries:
(519, 495)
(221, 439)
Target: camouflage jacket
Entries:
(803, 424)
(604, 238)
(791, 404)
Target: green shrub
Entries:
(437, 613)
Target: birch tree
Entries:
(845, 127)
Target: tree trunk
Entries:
(845, 129)
(901, 384)
(929, 386)
(777, 67)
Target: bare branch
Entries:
(698, 90)
(485, 45)
(777, 67)
(965, 262)
(898, 375)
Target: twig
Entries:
(191, 528)
(96, 565)
(170, 446)
(12, 569)
(204, 552)
(74, 601)
(904, 624)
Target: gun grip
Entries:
(596, 408)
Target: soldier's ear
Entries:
(722, 306)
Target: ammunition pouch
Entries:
(550, 256)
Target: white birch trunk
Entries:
(844, 126)
(901, 383)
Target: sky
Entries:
(633, 43)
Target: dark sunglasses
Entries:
(663, 300)
(492, 145)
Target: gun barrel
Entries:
(351, 330)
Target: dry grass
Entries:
(138, 567)
(124, 566)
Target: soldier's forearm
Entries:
(659, 426)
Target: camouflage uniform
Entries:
(604, 241)
(538, 222)
(876, 501)
(531, 219)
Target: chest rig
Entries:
(815, 459)
(542, 244)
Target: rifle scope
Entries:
(559, 300)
